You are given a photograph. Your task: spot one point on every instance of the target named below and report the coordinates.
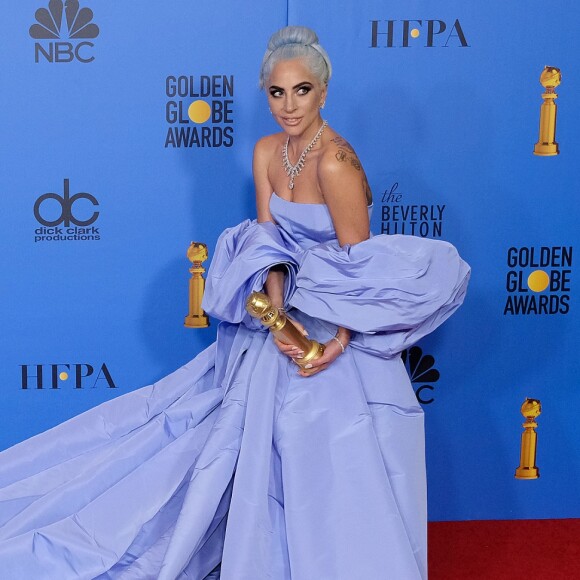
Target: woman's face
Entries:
(295, 96)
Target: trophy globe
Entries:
(551, 77)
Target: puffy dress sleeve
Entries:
(243, 256)
(390, 289)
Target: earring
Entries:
(322, 104)
(270, 111)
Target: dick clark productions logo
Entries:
(63, 31)
(66, 217)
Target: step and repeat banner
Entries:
(127, 132)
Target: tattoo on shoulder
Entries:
(343, 144)
(346, 153)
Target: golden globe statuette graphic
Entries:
(197, 253)
(531, 408)
(260, 306)
(550, 78)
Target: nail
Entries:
(308, 366)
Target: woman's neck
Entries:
(297, 143)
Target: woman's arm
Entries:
(274, 286)
(262, 156)
(346, 193)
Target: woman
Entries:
(240, 465)
(295, 74)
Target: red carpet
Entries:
(514, 549)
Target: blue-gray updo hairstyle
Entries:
(296, 42)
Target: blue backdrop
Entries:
(441, 101)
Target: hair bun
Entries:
(292, 35)
(296, 42)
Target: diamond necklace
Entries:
(293, 171)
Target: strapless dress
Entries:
(234, 466)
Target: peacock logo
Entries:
(77, 20)
(421, 372)
(67, 27)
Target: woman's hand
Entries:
(332, 350)
(289, 349)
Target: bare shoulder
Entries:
(340, 157)
(340, 168)
(267, 146)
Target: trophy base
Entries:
(527, 473)
(196, 321)
(546, 149)
(316, 351)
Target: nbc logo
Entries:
(64, 28)
(421, 371)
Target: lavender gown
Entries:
(235, 467)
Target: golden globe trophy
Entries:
(260, 306)
(527, 469)
(550, 78)
(197, 253)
